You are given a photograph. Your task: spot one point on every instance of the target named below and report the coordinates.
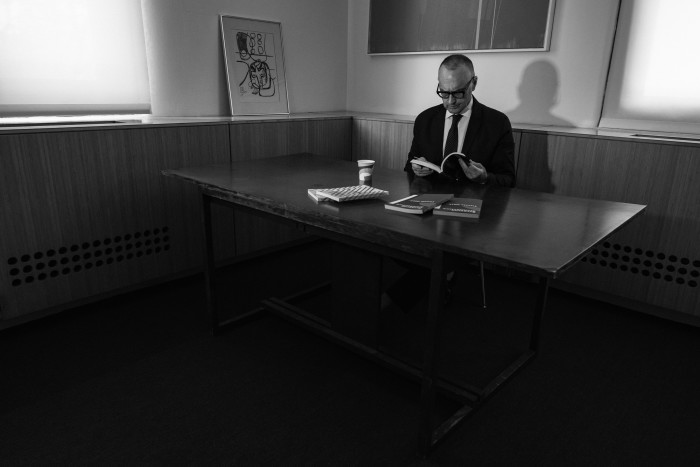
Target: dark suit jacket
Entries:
(489, 140)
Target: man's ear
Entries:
(476, 78)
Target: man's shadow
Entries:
(539, 93)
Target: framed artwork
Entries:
(254, 66)
(438, 26)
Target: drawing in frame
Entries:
(254, 66)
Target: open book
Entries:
(451, 162)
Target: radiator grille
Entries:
(670, 268)
(28, 268)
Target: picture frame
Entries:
(254, 59)
(445, 26)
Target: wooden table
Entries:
(536, 233)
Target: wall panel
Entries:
(656, 259)
(84, 213)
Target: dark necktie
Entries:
(452, 136)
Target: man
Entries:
(483, 134)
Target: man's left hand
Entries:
(474, 171)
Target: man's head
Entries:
(456, 75)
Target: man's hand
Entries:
(474, 171)
(419, 170)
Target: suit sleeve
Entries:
(501, 169)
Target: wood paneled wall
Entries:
(656, 259)
(86, 212)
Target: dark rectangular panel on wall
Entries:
(414, 26)
(656, 259)
(330, 137)
(85, 213)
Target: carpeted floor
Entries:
(139, 380)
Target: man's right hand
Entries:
(419, 170)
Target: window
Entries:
(72, 57)
(653, 82)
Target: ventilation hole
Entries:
(603, 263)
(649, 253)
(634, 270)
(692, 283)
(616, 247)
(685, 261)
(656, 275)
(694, 273)
(696, 264)
(606, 244)
(670, 268)
(594, 261)
(668, 278)
(595, 251)
(636, 261)
(638, 251)
(28, 268)
(645, 272)
(623, 267)
(661, 256)
(647, 263)
(627, 249)
(659, 265)
(682, 271)
(584, 260)
(615, 256)
(673, 258)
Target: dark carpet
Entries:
(139, 380)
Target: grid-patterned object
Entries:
(351, 193)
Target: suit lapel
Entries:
(474, 123)
(437, 129)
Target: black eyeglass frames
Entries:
(458, 94)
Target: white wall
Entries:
(185, 58)
(561, 87)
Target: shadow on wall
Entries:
(538, 92)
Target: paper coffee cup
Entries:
(365, 166)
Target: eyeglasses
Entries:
(458, 94)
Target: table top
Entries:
(536, 232)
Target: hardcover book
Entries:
(418, 204)
(346, 193)
(468, 208)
